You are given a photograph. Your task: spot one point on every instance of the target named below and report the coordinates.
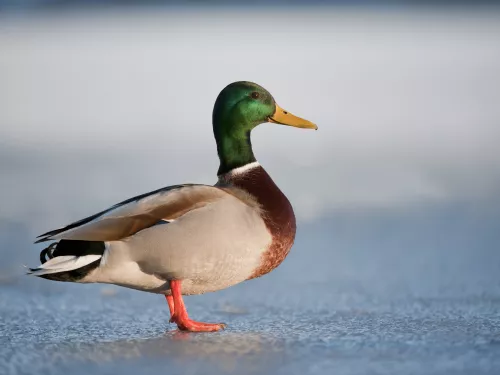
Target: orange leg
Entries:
(179, 315)
(170, 301)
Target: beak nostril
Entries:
(285, 112)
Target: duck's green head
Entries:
(239, 108)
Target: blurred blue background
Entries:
(396, 266)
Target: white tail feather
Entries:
(64, 263)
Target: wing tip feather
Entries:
(44, 239)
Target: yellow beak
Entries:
(283, 117)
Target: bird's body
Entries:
(193, 248)
(188, 239)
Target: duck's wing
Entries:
(132, 215)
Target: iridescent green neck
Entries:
(239, 108)
(233, 145)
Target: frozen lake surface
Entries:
(319, 329)
(407, 293)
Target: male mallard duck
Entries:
(189, 239)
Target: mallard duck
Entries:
(192, 238)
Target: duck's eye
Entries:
(255, 95)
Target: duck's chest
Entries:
(278, 216)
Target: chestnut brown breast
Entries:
(278, 216)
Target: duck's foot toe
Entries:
(194, 326)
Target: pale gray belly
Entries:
(211, 248)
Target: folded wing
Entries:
(132, 215)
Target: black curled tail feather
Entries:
(75, 248)
(47, 253)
